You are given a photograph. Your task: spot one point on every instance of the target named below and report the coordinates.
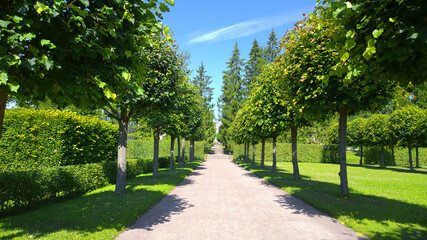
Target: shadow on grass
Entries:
(391, 168)
(100, 210)
(364, 209)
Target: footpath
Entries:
(221, 200)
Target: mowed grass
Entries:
(100, 214)
(383, 203)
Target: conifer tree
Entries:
(202, 83)
(232, 95)
(253, 67)
(272, 47)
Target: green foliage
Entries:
(34, 139)
(409, 126)
(382, 39)
(21, 190)
(306, 152)
(377, 130)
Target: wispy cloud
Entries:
(247, 28)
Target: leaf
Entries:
(371, 42)
(4, 78)
(47, 63)
(128, 54)
(170, 2)
(85, 2)
(349, 5)
(349, 44)
(4, 23)
(376, 33)
(413, 36)
(17, 19)
(163, 7)
(13, 87)
(109, 94)
(345, 56)
(350, 34)
(126, 75)
(40, 7)
(391, 20)
(369, 52)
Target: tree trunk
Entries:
(178, 158)
(411, 166)
(3, 101)
(191, 150)
(183, 151)
(171, 160)
(274, 154)
(262, 151)
(121, 157)
(244, 154)
(392, 156)
(156, 135)
(361, 156)
(342, 151)
(382, 156)
(253, 153)
(417, 162)
(294, 151)
(247, 153)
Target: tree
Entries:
(409, 126)
(61, 50)
(202, 82)
(357, 135)
(252, 67)
(272, 49)
(319, 84)
(232, 95)
(384, 39)
(377, 133)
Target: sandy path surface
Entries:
(221, 200)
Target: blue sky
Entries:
(208, 30)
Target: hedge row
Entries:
(306, 152)
(23, 190)
(34, 139)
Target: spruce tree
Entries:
(232, 95)
(253, 67)
(202, 83)
(272, 48)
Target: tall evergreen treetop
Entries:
(272, 47)
(253, 66)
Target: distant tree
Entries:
(378, 133)
(231, 99)
(409, 126)
(252, 67)
(357, 135)
(272, 49)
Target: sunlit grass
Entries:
(100, 214)
(384, 203)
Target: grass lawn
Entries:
(100, 214)
(383, 203)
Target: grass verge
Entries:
(384, 203)
(100, 214)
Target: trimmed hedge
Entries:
(306, 152)
(34, 139)
(372, 156)
(23, 190)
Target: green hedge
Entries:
(34, 139)
(306, 152)
(21, 190)
(372, 156)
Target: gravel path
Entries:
(221, 200)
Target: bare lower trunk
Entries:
(342, 152)
(417, 162)
(392, 156)
(244, 153)
(156, 152)
(191, 150)
(183, 151)
(382, 156)
(361, 156)
(3, 101)
(253, 153)
(247, 153)
(171, 162)
(178, 158)
(262, 151)
(274, 154)
(411, 166)
(121, 158)
(294, 151)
